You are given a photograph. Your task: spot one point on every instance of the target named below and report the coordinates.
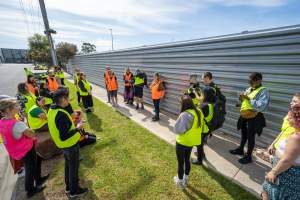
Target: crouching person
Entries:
(66, 137)
(188, 128)
(19, 141)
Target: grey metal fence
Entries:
(231, 58)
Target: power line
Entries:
(32, 14)
(25, 16)
(39, 16)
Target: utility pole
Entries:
(112, 39)
(48, 32)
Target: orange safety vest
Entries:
(31, 88)
(128, 78)
(156, 94)
(112, 83)
(52, 84)
(106, 77)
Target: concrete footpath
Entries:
(249, 176)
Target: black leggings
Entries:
(32, 169)
(183, 157)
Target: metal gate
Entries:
(231, 58)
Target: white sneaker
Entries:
(179, 182)
(185, 180)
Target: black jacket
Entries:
(63, 124)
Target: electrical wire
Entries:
(25, 16)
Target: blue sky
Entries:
(140, 22)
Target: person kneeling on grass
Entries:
(188, 128)
(19, 141)
(86, 137)
(66, 137)
(85, 91)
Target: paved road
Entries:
(10, 76)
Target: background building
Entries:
(13, 55)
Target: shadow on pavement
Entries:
(256, 170)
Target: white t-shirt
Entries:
(18, 129)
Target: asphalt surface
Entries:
(10, 76)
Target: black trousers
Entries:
(200, 148)
(108, 95)
(91, 138)
(248, 135)
(32, 164)
(71, 168)
(156, 107)
(183, 154)
(87, 101)
(62, 80)
(78, 97)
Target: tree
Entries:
(65, 51)
(87, 48)
(39, 49)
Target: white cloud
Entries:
(258, 3)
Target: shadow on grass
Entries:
(142, 184)
(91, 193)
(198, 193)
(234, 190)
(94, 121)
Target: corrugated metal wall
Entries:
(231, 58)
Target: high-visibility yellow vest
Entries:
(246, 105)
(87, 86)
(286, 131)
(54, 132)
(138, 80)
(60, 74)
(31, 101)
(35, 122)
(48, 101)
(208, 118)
(193, 136)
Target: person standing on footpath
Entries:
(106, 76)
(194, 90)
(139, 81)
(85, 91)
(66, 137)
(157, 91)
(283, 181)
(207, 108)
(112, 86)
(19, 141)
(128, 86)
(188, 128)
(76, 76)
(254, 101)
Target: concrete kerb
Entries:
(216, 162)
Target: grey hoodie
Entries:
(183, 123)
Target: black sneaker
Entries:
(79, 192)
(237, 151)
(43, 180)
(67, 190)
(196, 162)
(155, 119)
(35, 191)
(245, 160)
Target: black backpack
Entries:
(219, 113)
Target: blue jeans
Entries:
(71, 155)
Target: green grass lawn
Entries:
(129, 162)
